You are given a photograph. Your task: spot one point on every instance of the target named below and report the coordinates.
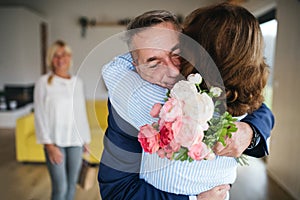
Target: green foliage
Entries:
(242, 160)
(168, 96)
(182, 155)
(219, 129)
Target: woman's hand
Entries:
(85, 148)
(216, 193)
(54, 153)
(238, 143)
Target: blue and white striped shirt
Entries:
(132, 97)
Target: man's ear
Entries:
(136, 66)
(134, 58)
(134, 63)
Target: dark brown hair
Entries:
(232, 37)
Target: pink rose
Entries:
(168, 149)
(177, 125)
(171, 110)
(210, 156)
(175, 146)
(189, 133)
(166, 134)
(149, 138)
(168, 152)
(161, 153)
(155, 110)
(169, 155)
(198, 151)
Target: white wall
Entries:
(63, 15)
(63, 24)
(283, 162)
(20, 55)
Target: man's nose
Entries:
(173, 68)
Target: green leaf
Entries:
(222, 140)
(232, 129)
(181, 154)
(217, 103)
(242, 160)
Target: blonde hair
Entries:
(51, 53)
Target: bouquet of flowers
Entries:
(189, 123)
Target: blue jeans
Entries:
(64, 176)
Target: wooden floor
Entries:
(19, 181)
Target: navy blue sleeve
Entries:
(119, 168)
(263, 121)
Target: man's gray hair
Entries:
(149, 19)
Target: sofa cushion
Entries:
(27, 149)
(97, 113)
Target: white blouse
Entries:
(60, 112)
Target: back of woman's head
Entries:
(231, 35)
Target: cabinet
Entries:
(21, 54)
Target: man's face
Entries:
(156, 54)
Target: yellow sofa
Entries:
(27, 149)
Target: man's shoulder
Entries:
(124, 59)
(126, 56)
(119, 63)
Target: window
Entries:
(268, 27)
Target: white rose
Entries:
(200, 108)
(183, 90)
(195, 78)
(216, 91)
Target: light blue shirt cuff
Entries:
(192, 198)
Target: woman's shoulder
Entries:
(43, 78)
(239, 118)
(77, 81)
(76, 78)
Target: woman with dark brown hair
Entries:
(232, 37)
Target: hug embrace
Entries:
(224, 44)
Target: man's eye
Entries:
(175, 59)
(152, 66)
(176, 52)
(175, 56)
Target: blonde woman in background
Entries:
(60, 121)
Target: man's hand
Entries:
(216, 193)
(238, 143)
